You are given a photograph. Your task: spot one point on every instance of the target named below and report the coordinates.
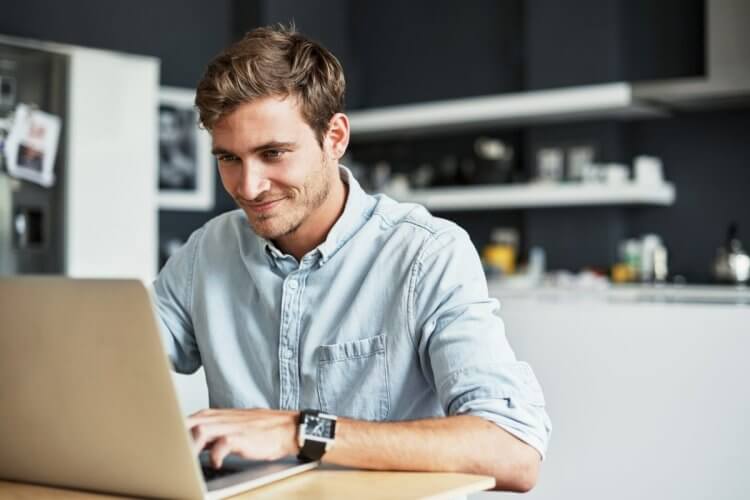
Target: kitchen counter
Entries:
(645, 387)
(627, 294)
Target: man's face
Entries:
(272, 165)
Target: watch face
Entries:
(318, 427)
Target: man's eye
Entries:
(273, 154)
(226, 158)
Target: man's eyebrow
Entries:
(218, 150)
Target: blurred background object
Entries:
(499, 255)
(732, 263)
(494, 161)
(187, 170)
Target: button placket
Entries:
(289, 342)
(285, 381)
(295, 358)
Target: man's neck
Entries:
(318, 224)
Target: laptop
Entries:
(87, 399)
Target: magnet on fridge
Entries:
(31, 145)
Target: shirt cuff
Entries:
(527, 422)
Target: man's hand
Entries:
(251, 434)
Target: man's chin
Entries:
(264, 231)
(266, 228)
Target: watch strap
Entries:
(312, 450)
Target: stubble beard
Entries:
(299, 205)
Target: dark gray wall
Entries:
(595, 41)
(183, 34)
(422, 50)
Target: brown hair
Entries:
(273, 61)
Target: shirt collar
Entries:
(357, 210)
(359, 205)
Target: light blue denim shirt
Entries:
(388, 319)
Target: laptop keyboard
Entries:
(209, 473)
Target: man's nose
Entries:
(253, 181)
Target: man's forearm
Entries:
(445, 444)
(451, 444)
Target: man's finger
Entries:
(207, 432)
(220, 448)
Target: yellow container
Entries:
(501, 257)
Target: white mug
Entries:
(648, 170)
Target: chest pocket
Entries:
(353, 379)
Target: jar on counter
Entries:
(499, 256)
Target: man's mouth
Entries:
(261, 207)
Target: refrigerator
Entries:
(99, 218)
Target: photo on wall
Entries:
(186, 167)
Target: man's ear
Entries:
(337, 136)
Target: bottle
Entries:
(537, 264)
(629, 268)
(661, 268)
(732, 262)
(650, 246)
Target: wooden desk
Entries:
(320, 483)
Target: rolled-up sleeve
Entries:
(462, 345)
(172, 294)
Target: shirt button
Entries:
(288, 353)
(293, 284)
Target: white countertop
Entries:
(626, 293)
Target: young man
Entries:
(317, 295)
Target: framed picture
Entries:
(186, 167)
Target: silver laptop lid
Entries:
(86, 396)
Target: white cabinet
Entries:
(647, 400)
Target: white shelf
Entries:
(610, 100)
(538, 195)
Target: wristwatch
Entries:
(315, 435)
